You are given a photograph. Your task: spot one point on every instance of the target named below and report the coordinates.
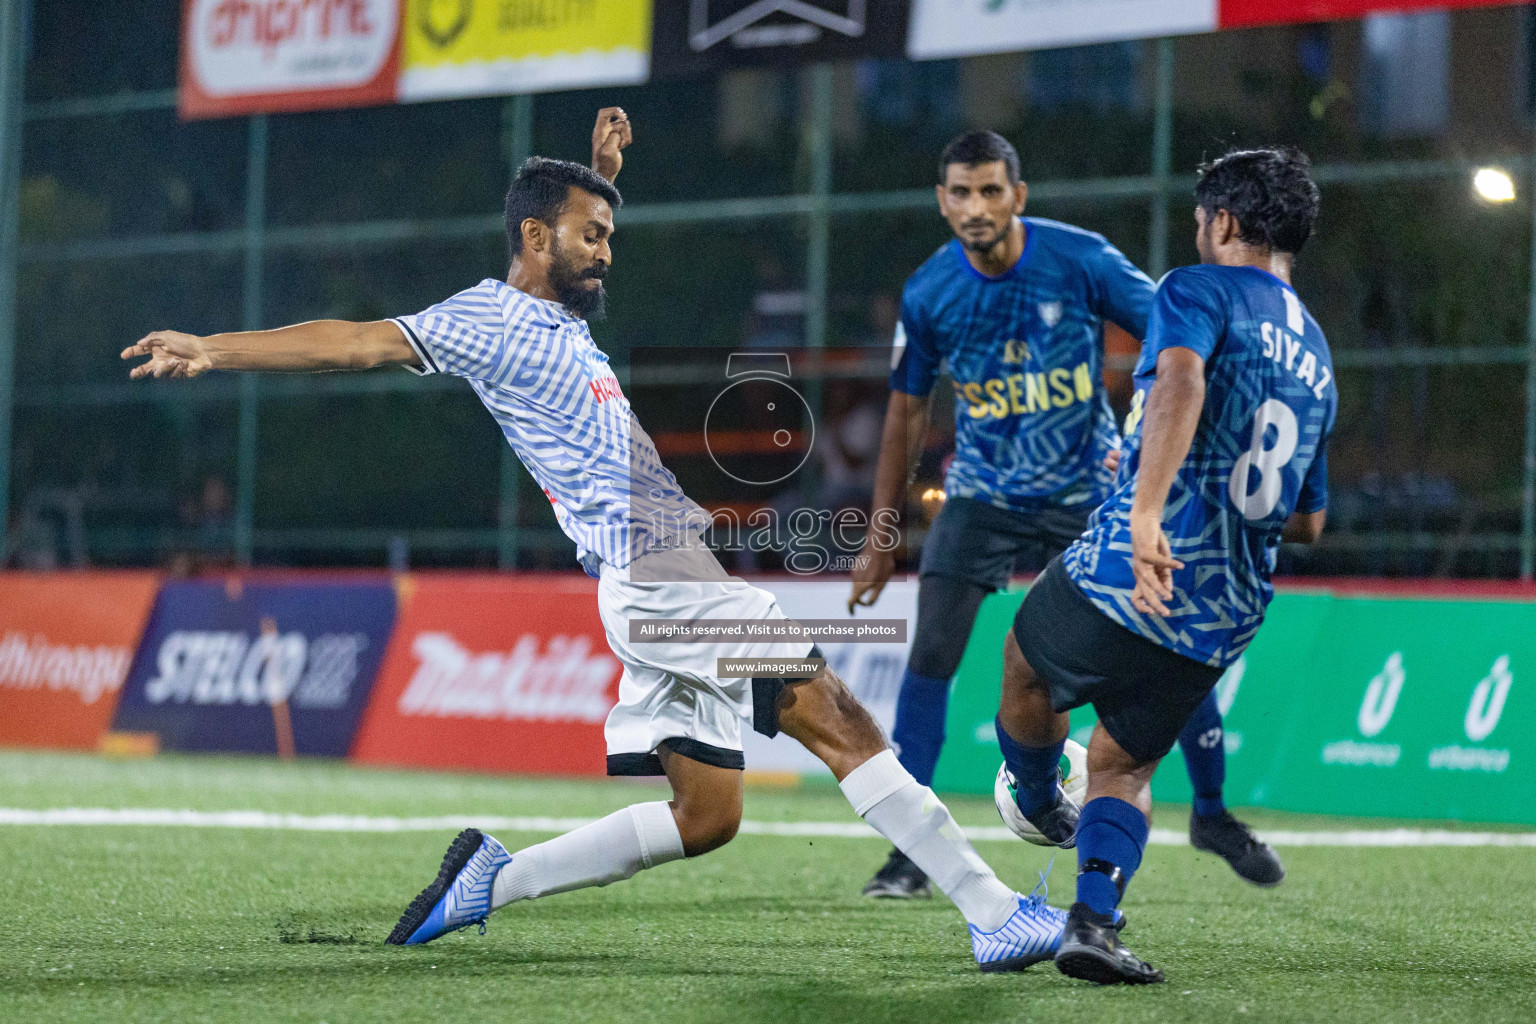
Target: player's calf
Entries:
(1111, 837)
(1032, 736)
(706, 802)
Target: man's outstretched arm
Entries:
(309, 347)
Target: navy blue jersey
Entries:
(1259, 454)
(1026, 351)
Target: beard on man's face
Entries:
(579, 289)
(982, 236)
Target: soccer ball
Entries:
(1074, 779)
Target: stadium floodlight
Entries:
(1493, 185)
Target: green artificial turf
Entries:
(132, 923)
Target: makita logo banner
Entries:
(494, 673)
(561, 679)
(258, 667)
(251, 56)
(66, 642)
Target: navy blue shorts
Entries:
(1143, 693)
(985, 544)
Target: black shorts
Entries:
(986, 544)
(1143, 693)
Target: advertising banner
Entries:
(1360, 705)
(956, 28)
(66, 642)
(494, 673)
(280, 668)
(872, 671)
(494, 47)
(1242, 13)
(265, 56)
(697, 37)
(1423, 709)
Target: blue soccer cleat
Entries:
(461, 894)
(1031, 935)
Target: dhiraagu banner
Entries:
(455, 48)
(1399, 707)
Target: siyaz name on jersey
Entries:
(1283, 347)
(1022, 393)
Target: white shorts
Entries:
(670, 691)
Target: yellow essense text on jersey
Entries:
(1021, 394)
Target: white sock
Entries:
(608, 850)
(887, 796)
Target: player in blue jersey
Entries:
(1224, 457)
(1015, 307)
(523, 345)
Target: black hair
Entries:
(540, 188)
(1269, 191)
(979, 147)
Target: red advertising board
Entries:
(259, 56)
(493, 673)
(1241, 13)
(66, 642)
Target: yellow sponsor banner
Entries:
(492, 47)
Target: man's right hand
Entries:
(1152, 565)
(871, 571)
(171, 354)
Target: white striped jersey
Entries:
(538, 371)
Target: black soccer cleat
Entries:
(1091, 950)
(1235, 843)
(1058, 822)
(899, 879)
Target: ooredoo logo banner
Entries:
(66, 641)
(258, 667)
(494, 674)
(258, 56)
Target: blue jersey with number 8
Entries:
(1259, 455)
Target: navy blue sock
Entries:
(1114, 831)
(919, 733)
(1033, 769)
(1203, 743)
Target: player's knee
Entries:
(706, 829)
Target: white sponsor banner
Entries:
(872, 671)
(243, 47)
(956, 28)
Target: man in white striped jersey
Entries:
(523, 345)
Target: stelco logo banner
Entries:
(66, 641)
(258, 667)
(495, 674)
(251, 56)
(1416, 707)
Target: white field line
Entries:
(816, 829)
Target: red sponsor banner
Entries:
(493, 673)
(66, 643)
(267, 56)
(1243, 13)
